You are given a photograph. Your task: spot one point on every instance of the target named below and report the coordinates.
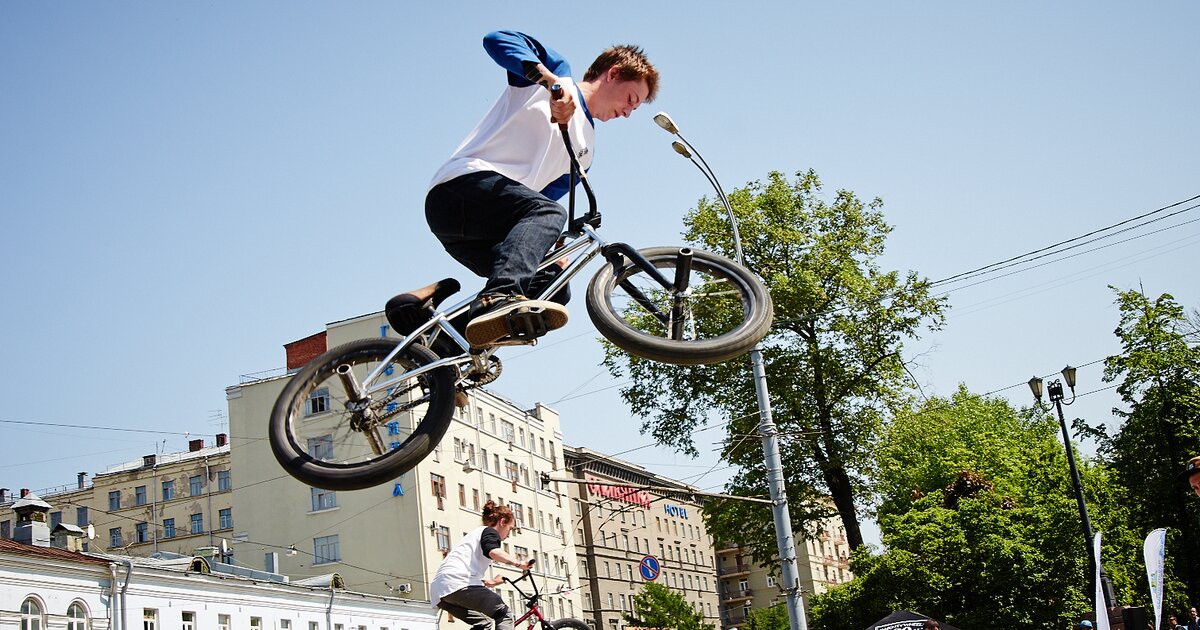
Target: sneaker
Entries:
(500, 318)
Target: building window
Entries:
(139, 495)
(507, 431)
(149, 619)
(143, 532)
(224, 482)
(114, 500)
(188, 620)
(475, 498)
(198, 523)
(225, 517)
(81, 516)
(438, 484)
(256, 623)
(31, 615)
(168, 528)
(325, 549)
(313, 625)
(321, 448)
(318, 402)
(285, 624)
(443, 538)
(462, 495)
(510, 470)
(168, 490)
(114, 537)
(323, 499)
(77, 617)
(222, 622)
(195, 485)
(55, 519)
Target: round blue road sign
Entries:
(649, 568)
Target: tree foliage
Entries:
(832, 358)
(980, 524)
(1158, 376)
(657, 606)
(770, 618)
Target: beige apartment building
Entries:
(622, 513)
(745, 586)
(174, 502)
(389, 539)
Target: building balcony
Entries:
(734, 620)
(732, 570)
(728, 547)
(737, 595)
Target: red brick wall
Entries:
(301, 352)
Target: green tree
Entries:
(657, 606)
(1158, 376)
(980, 524)
(772, 618)
(832, 357)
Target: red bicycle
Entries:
(534, 613)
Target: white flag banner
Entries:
(1154, 551)
(1101, 608)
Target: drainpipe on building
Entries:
(154, 505)
(112, 596)
(329, 608)
(124, 589)
(208, 484)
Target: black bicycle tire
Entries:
(576, 624)
(293, 456)
(754, 326)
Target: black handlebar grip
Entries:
(556, 93)
(532, 562)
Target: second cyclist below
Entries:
(459, 587)
(492, 204)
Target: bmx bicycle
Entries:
(533, 613)
(365, 412)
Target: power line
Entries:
(1070, 240)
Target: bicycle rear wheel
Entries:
(713, 309)
(327, 436)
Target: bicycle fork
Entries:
(679, 287)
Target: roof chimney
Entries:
(82, 480)
(148, 461)
(31, 527)
(195, 445)
(222, 439)
(4, 498)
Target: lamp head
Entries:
(1069, 376)
(681, 150)
(1035, 386)
(664, 121)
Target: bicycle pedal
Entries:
(528, 322)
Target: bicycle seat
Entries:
(408, 310)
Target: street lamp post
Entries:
(766, 424)
(1055, 390)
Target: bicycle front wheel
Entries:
(702, 308)
(573, 624)
(331, 430)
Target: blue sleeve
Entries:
(510, 49)
(558, 187)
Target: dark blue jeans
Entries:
(498, 228)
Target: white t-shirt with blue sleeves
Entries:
(516, 138)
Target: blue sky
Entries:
(188, 186)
